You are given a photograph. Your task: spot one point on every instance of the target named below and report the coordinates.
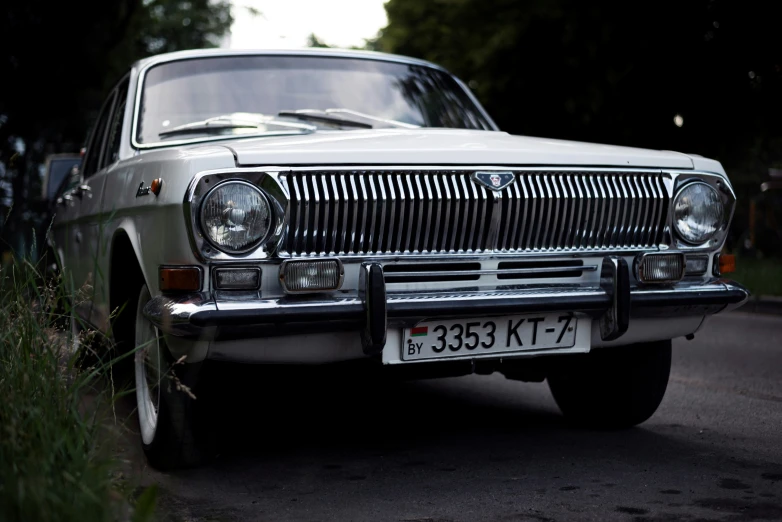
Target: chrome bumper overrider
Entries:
(215, 316)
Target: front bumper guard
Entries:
(614, 303)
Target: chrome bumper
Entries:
(221, 316)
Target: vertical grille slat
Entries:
(381, 224)
(446, 216)
(574, 200)
(661, 215)
(481, 206)
(438, 206)
(550, 201)
(605, 239)
(373, 213)
(453, 245)
(520, 216)
(539, 222)
(639, 215)
(561, 214)
(578, 233)
(391, 212)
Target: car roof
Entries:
(329, 52)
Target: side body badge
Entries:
(153, 187)
(494, 180)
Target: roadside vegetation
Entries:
(58, 458)
(763, 277)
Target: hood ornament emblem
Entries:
(494, 180)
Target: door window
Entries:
(92, 161)
(115, 129)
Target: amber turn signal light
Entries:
(727, 263)
(156, 185)
(180, 279)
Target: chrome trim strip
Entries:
(510, 271)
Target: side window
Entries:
(115, 129)
(92, 161)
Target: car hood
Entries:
(441, 147)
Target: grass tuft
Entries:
(58, 439)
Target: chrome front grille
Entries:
(437, 212)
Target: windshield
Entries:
(182, 92)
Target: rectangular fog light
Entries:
(322, 275)
(697, 265)
(238, 278)
(660, 268)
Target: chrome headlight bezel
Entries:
(255, 243)
(720, 228)
(203, 183)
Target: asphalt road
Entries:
(485, 448)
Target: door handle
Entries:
(81, 189)
(65, 199)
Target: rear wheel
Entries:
(164, 397)
(612, 388)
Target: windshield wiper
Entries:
(393, 123)
(322, 117)
(325, 116)
(227, 122)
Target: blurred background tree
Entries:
(697, 76)
(58, 62)
(58, 59)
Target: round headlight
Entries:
(697, 213)
(235, 217)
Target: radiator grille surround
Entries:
(436, 212)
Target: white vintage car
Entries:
(316, 206)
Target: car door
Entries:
(84, 206)
(92, 213)
(64, 225)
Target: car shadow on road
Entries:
(316, 439)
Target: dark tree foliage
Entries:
(58, 59)
(614, 72)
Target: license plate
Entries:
(472, 337)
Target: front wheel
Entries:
(164, 397)
(612, 388)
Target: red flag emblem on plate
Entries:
(419, 331)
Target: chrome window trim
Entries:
(272, 181)
(145, 65)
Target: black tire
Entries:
(612, 388)
(175, 440)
